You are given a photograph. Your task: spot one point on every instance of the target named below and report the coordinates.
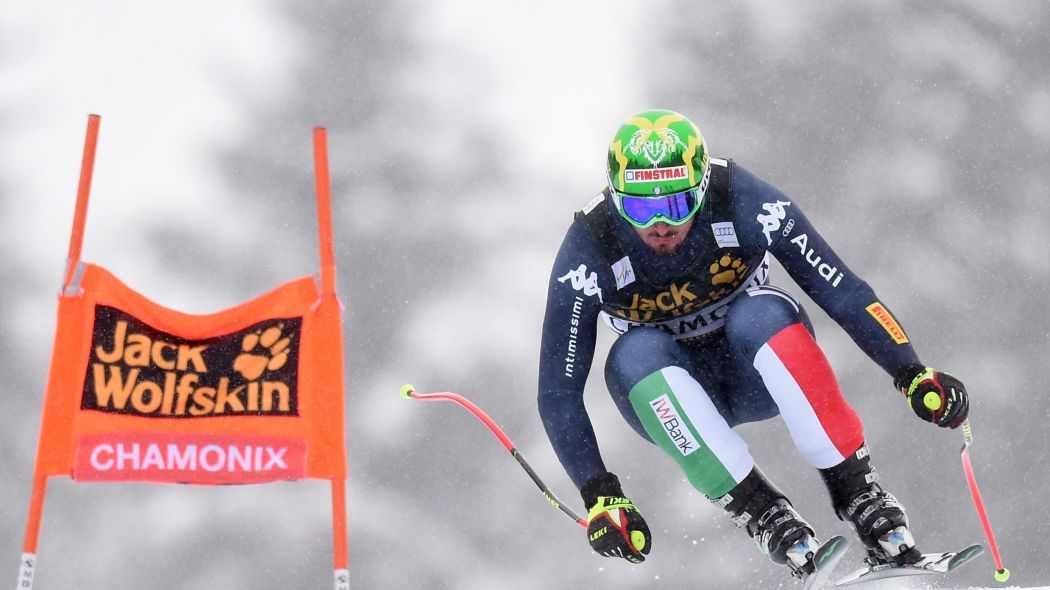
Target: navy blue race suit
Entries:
(687, 295)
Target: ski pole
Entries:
(1001, 574)
(409, 392)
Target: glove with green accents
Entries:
(934, 396)
(615, 528)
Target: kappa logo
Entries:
(770, 220)
(581, 281)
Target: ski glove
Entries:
(615, 528)
(934, 396)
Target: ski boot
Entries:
(759, 507)
(873, 513)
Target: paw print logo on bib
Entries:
(262, 351)
(726, 270)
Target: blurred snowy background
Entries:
(462, 137)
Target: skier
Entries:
(673, 256)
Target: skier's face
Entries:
(665, 238)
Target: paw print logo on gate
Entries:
(263, 350)
(726, 270)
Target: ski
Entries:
(824, 562)
(928, 564)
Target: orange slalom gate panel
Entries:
(139, 392)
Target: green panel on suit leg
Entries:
(667, 424)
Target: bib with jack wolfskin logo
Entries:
(694, 303)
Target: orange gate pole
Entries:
(87, 169)
(324, 221)
(324, 211)
(27, 569)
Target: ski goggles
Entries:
(673, 209)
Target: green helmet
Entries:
(658, 152)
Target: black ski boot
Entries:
(872, 512)
(770, 520)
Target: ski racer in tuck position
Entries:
(673, 256)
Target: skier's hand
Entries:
(934, 396)
(615, 528)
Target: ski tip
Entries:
(965, 556)
(1002, 575)
(824, 561)
(830, 549)
(407, 390)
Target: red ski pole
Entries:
(1001, 574)
(409, 392)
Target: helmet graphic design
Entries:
(657, 152)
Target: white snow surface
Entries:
(915, 585)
